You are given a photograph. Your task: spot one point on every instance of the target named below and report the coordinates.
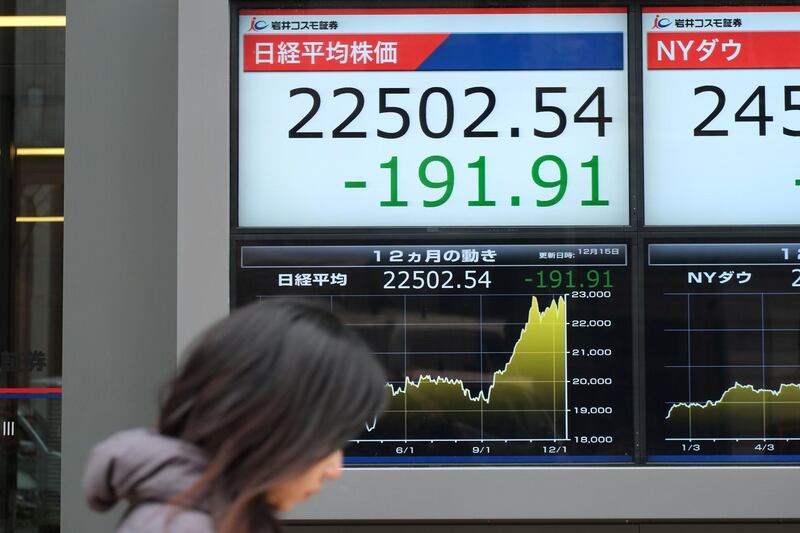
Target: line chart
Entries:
(532, 384)
(723, 353)
(492, 353)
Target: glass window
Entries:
(31, 236)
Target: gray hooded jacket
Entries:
(147, 470)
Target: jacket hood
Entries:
(140, 465)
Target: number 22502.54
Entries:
(443, 99)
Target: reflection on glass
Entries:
(31, 237)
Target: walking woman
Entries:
(253, 423)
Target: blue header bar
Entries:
(528, 51)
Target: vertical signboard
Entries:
(432, 117)
(721, 115)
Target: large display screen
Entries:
(723, 351)
(721, 115)
(543, 279)
(494, 353)
(432, 117)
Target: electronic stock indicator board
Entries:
(721, 115)
(433, 117)
(360, 130)
(494, 353)
(723, 351)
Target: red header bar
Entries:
(434, 11)
(721, 9)
(33, 390)
(723, 50)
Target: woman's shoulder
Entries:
(164, 518)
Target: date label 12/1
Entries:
(556, 179)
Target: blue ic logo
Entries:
(659, 23)
(257, 25)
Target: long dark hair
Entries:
(267, 392)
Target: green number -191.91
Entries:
(436, 173)
(569, 279)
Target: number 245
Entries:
(761, 118)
